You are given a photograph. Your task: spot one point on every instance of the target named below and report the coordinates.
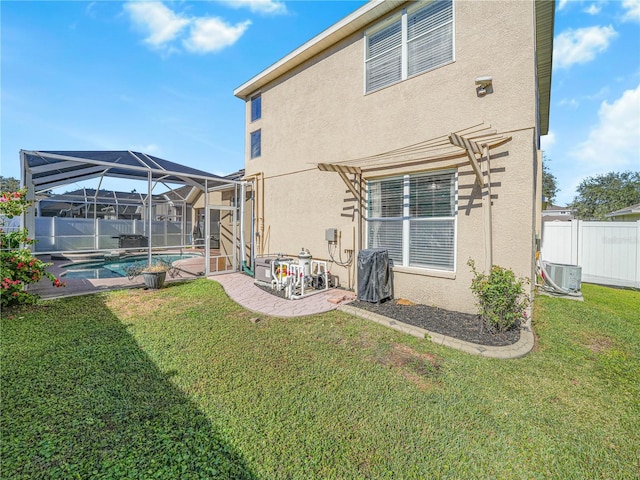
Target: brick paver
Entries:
(242, 290)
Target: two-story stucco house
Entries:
(411, 126)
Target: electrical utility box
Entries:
(331, 235)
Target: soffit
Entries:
(545, 10)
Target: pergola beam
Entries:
(471, 148)
(474, 142)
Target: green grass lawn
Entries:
(178, 383)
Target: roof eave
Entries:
(545, 13)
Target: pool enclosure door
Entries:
(221, 245)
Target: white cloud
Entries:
(613, 144)
(581, 45)
(213, 34)
(274, 7)
(562, 4)
(569, 102)
(547, 141)
(149, 149)
(599, 95)
(632, 8)
(164, 27)
(160, 23)
(90, 9)
(593, 9)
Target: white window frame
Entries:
(403, 16)
(407, 218)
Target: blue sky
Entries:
(158, 77)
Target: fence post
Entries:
(96, 234)
(53, 233)
(575, 235)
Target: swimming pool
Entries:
(115, 268)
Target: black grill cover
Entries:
(132, 241)
(375, 277)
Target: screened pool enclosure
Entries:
(171, 210)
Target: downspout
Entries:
(243, 259)
(253, 224)
(261, 210)
(257, 182)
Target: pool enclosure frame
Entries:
(42, 171)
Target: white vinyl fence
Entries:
(57, 234)
(608, 252)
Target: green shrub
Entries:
(18, 266)
(500, 297)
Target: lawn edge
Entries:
(519, 349)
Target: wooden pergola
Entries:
(470, 146)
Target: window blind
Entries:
(429, 43)
(414, 218)
(384, 56)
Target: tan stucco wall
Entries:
(319, 113)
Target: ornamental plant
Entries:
(18, 266)
(500, 297)
(157, 265)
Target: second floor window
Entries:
(256, 107)
(418, 40)
(256, 144)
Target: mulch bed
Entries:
(463, 326)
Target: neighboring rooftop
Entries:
(557, 208)
(631, 210)
(557, 213)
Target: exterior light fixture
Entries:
(484, 85)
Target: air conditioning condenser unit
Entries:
(567, 277)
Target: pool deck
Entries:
(189, 268)
(238, 286)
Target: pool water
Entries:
(113, 268)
